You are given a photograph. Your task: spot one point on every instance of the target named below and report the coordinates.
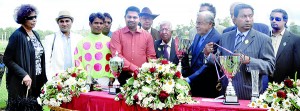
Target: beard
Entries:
(275, 27)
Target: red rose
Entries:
(120, 96)
(135, 97)
(152, 69)
(43, 91)
(288, 83)
(164, 61)
(74, 75)
(56, 74)
(135, 74)
(71, 92)
(59, 87)
(281, 94)
(178, 74)
(163, 96)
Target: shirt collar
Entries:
(169, 43)
(149, 30)
(126, 30)
(244, 33)
(281, 33)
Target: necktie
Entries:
(239, 41)
(166, 53)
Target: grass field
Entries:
(3, 45)
(3, 93)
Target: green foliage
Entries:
(226, 22)
(3, 93)
(294, 28)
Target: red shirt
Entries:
(134, 47)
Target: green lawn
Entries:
(3, 93)
(3, 45)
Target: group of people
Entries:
(274, 53)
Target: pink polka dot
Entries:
(98, 56)
(76, 51)
(108, 45)
(87, 45)
(80, 58)
(97, 67)
(88, 57)
(98, 45)
(77, 63)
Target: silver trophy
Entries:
(230, 66)
(255, 91)
(116, 64)
(183, 47)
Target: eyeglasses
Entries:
(30, 17)
(276, 19)
(164, 29)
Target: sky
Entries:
(175, 11)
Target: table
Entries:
(102, 101)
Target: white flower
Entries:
(168, 86)
(81, 82)
(160, 105)
(84, 90)
(141, 95)
(252, 105)
(286, 103)
(148, 79)
(71, 81)
(53, 102)
(264, 105)
(298, 101)
(146, 89)
(59, 96)
(46, 102)
(160, 68)
(39, 101)
(136, 84)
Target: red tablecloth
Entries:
(102, 101)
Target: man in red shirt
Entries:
(134, 45)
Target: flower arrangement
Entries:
(280, 97)
(156, 85)
(63, 87)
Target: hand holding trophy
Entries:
(116, 64)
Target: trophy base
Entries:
(231, 100)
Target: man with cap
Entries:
(60, 46)
(146, 21)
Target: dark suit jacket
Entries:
(159, 49)
(287, 58)
(203, 76)
(19, 58)
(259, 48)
(155, 34)
(263, 28)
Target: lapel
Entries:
(172, 52)
(231, 42)
(199, 51)
(160, 48)
(285, 39)
(247, 41)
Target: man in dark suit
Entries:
(263, 28)
(146, 21)
(255, 49)
(286, 47)
(203, 79)
(165, 47)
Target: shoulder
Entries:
(260, 25)
(228, 29)
(261, 35)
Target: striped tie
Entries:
(239, 41)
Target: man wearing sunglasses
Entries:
(60, 46)
(286, 47)
(107, 25)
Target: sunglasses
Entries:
(276, 19)
(30, 17)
